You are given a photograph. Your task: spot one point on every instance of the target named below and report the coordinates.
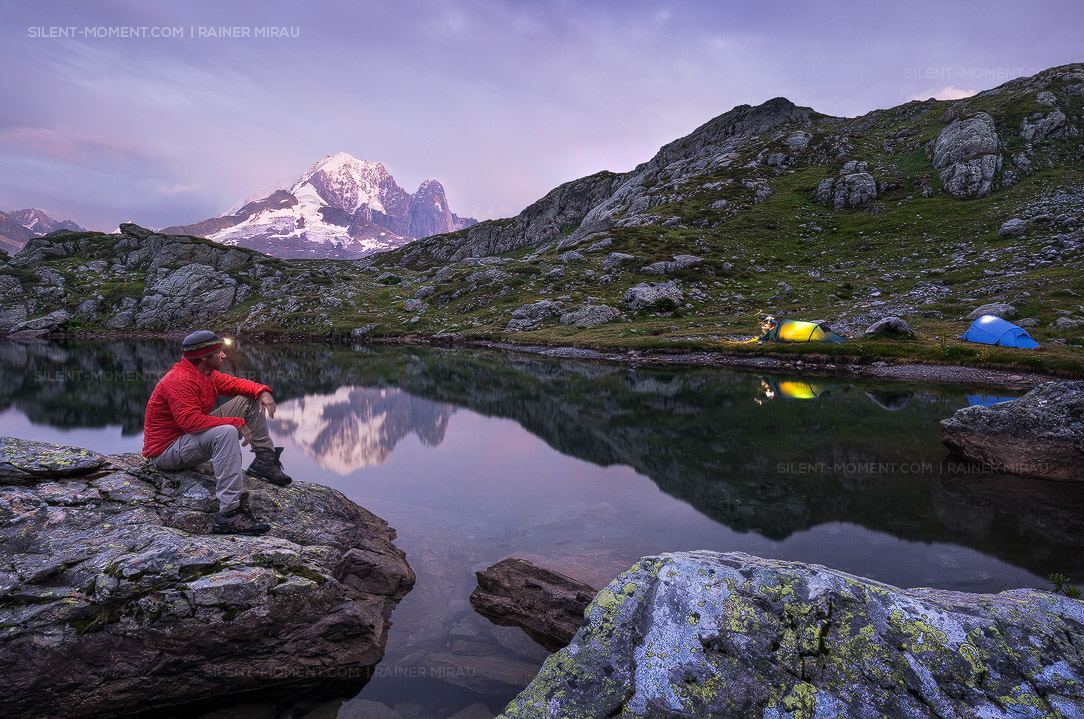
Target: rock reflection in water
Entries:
(358, 427)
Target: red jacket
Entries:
(182, 401)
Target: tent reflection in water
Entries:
(992, 330)
(798, 331)
(789, 389)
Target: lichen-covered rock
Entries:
(704, 634)
(590, 316)
(112, 586)
(23, 460)
(1040, 434)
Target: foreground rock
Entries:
(112, 587)
(547, 605)
(1040, 434)
(699, 634)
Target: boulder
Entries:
(893, 326)
(614, 259)
(571, 257)
(116, 597)
(797, 141)
(547, 605)
(12, 317)
(854, 186)
(965, 153)
(488, 277)
(1046, 98)
(9, 286)
(133, 230)
(590, 316)
(49, 323)
(644, 295)
(707, 634)
(1013, 228)
(1064, 324)
(529, 317)
(1042, 127)
(680, 262)
(1040, 434)
(998, 309)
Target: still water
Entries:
(584, 468)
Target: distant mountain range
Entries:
(340, 208)
(20, 225)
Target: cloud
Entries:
(948, 92)
(177, 189)
(69, 146)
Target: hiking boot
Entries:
(240, 520)
(267, 466)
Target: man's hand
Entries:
(246, 435)
(267, 402)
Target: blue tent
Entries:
(992, 330)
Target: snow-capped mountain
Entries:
(20, 225)
(341, 207)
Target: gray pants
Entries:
(221, 445)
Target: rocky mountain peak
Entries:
(18, 226)
(744, 121)
(347, 183)
(341, 207)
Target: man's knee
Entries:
(223, 433)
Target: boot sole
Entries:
(249, 532)
(269, 481)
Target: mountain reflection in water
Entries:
(358, 427)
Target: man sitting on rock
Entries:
(181, 431)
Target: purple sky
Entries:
(500, 101)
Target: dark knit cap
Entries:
(200, 344)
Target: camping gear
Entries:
(798, 331)
(992, 330)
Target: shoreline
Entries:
(812, 365)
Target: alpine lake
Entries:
(581, 467)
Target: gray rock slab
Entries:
(998, 309)
(1040, 434)
(707, 634)
(114, 587)
(590, 316)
